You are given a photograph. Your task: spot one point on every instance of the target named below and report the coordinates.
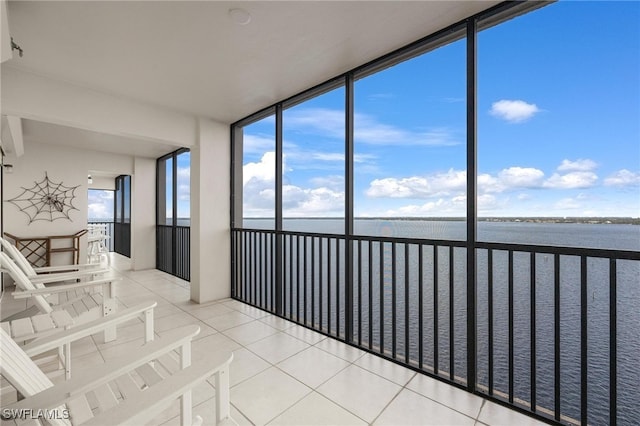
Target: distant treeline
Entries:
(592, 220)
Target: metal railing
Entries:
(546, 326)
(109, 229)
(173, 254)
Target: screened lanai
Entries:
(439, 199)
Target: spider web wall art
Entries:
(46, 200)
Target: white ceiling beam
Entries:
(11, 134)
(39, 98)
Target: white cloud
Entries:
(418, 186)
(258, 143)
(453, 182)
(100, 204)
(521, 177)
(442, 207)
(370, 132)
(623, 178)
(573, 180)
(581, 165)
(258, 181)
(523, 196)
(323, 121)
(265, 170)
(335, 182)
(513, 111)
(100, 211)
(330, 123)
(184, 173)
(327, 156)
(486, 201)
(184, 183)
(312, 201)
(568, 204)
(325, 199)
(184, 192)
(380, 96)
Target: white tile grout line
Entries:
(350, 363)
(128, 274)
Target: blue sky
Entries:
(100, 202)
(183, 170)
(558, 127)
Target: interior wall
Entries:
(62, 164)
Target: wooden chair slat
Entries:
(93, 398)
(99, 298)
(27, 422)
(79, 307)
(23, 282)
(42, 323)
(62, 298)
(106, 399)
(169, 362)
(89, 303)
(149, 375)
(79, 410)
(19, 369)
(21, 327)
(62, 318)
(127, 387)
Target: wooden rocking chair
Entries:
(128, 390)
(40, 334)
(79, 300)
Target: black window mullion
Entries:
(174, 213)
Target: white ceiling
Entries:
(190, 56)
(37, 131)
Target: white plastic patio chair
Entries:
(50, 274)
(97, 243)
(41, 332)
(128, 390)
(80, 300)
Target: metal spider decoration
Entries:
(46, 200)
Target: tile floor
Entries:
(283, 374)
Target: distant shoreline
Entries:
(583, 220)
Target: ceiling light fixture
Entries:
(240, 16)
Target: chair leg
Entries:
(148, 326)
(186, 415)
(223, 410)
(67, 361)
(108, 307)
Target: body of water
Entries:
(603, 236)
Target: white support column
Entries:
(210, 195)
(143, 214)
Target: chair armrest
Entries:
(90, 378)
(161, 395)
(82, 267)
(78, 332)
(61, 288)
(65, 276)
